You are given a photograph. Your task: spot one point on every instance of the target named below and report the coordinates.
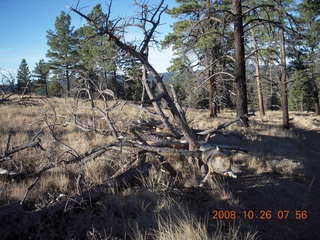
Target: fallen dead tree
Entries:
(140, 139)
(34, 143)
(25, 221)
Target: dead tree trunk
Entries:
(144, 79)
(283, 81)
(163, 93)
(258, 80)
(240, 70)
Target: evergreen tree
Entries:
(301, 98)
(132, 85)
(55, 86)
(23, 77)
(97, 56)
(202, 32)
(63, 49)
(41, 74)
(309, 11)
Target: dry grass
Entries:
(272, 150)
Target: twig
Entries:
(8, 142)
(29, 189)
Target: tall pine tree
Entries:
(97, 55)
(310, 18)
(62, 49)
(23, 77)
(41, 74)
(201, 32)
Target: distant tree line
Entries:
(237, 54)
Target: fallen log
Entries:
(16, 222)
(35, 143)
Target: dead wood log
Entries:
(223, 126)
(177, 103)
(108, 31)
(25, 222)
(35, 143)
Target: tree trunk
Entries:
(240, 70)
(213, 106)
(144, 79)
(258, 80)
(46, 87)
(317, 105)
(283, 83)
(272, 103)
(68, 82)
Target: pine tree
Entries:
(41, 74)
(97, 56)
(301, 97)
(23, 77)
(55, 86)
(309, 11)
(202, 32)
(63, 49)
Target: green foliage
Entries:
(185, 84)
(309, 16)
(62, 53)
(54, 87)
(201, 34)
(23, 75)
(98, 57)
(41, 74)
(301, 97)
(95, 52)
(62, 42)
(132, 83)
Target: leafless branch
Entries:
(35, 143)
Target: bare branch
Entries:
(222, 126)
(35, 143)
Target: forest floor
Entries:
(276, 194)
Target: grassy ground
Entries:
(279, 174)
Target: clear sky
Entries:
(24, 25)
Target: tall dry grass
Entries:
(271, 150)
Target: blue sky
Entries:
(24, 25)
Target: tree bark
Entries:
(258, 80)
(68, 82)
(144, 79)
(213, 106)
(283, 81)
(240, 70)
(317, 105)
